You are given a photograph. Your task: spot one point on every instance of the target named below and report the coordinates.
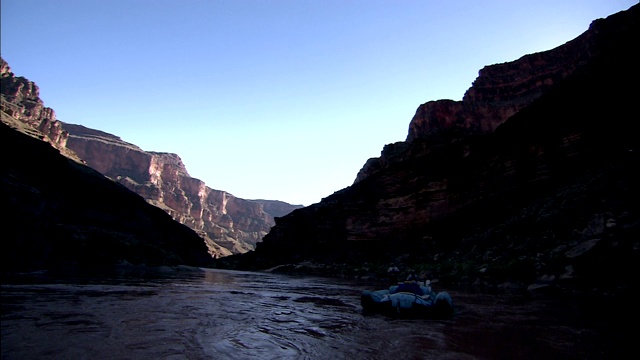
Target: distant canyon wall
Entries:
(228, 225)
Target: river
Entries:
(219, 314)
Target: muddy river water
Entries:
(217, 314)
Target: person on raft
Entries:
(410, 285)
(393, 273)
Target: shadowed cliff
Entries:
(61, 213)
(531, 179)
(227, 224)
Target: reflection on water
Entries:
(217, 314)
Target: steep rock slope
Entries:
(226, 223)
(20, 100)
(550, 197)
(499, 92)
(61, 213)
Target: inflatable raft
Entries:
(408, 300)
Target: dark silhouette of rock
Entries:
(497, 189)
(59, 212)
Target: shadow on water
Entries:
(187, 313)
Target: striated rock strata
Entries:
(229, 225)
(60, 214)
(20, 103)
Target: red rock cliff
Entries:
(227, 223)
(20, 99)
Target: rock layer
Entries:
(229, 225)
(20, 100)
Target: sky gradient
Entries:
(282, 99)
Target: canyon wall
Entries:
(228, 225)
(61, 215)
(20, 100)
(499, 92)
(536, 169)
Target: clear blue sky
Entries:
(281, 99)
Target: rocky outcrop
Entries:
(20, 100)
(61, 213)
(229, 225)
(499, 92)
(277, 208)
(498, 187)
